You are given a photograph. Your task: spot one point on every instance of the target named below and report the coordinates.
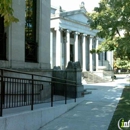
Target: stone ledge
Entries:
(33, 120)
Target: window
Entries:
(2, 40)
(30, 31)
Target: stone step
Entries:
(88, 92)
(85, 92)
(90, 77)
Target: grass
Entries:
(122, 110)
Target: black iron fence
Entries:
(19, 89)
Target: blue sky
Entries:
(74, 4)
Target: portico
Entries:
(71, 46)
(72, 39)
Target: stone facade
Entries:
(15, 37)
(72, 39)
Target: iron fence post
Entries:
(25, 93)
(32, 93)
(75, 84)
(52, 94)
(1, 95)
(65, 92)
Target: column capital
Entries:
(58, 29)
(84, 34)
(96, 38)
(90, 36)
(68, 31)
(76, 33)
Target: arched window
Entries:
(30, 31)
(2, 40)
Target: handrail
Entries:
(28, 85)
(20, 72)
(40, 80)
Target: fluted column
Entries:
(76, 47)
(90, 55)
(97, 63)
(84, 53)
(58, 47)
(67, 47)
(51, 49)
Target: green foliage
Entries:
(6, 11)
(112, 20)
(125, 64)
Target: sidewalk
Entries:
(94, 113)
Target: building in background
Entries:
(72, 39)
(25, 44)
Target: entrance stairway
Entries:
(90, 77)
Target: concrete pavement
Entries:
(95, 112)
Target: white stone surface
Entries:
(84, 53)
(34, 120)
(94, 113)
(76, 47)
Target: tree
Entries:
(112, 20)
(6, 11)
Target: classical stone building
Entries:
(26, 44)
(72, 39)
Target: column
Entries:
(112, 53)
(90, 55)
(97, 55)
(58, 47)
(76, 46)
(67, 47)
(84, 52)
(51, 49)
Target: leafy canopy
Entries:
(112, 19)
(6, 11)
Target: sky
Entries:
(74, 4)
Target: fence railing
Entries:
(19, 89)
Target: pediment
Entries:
(79, 17)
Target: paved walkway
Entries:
(94, 113)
